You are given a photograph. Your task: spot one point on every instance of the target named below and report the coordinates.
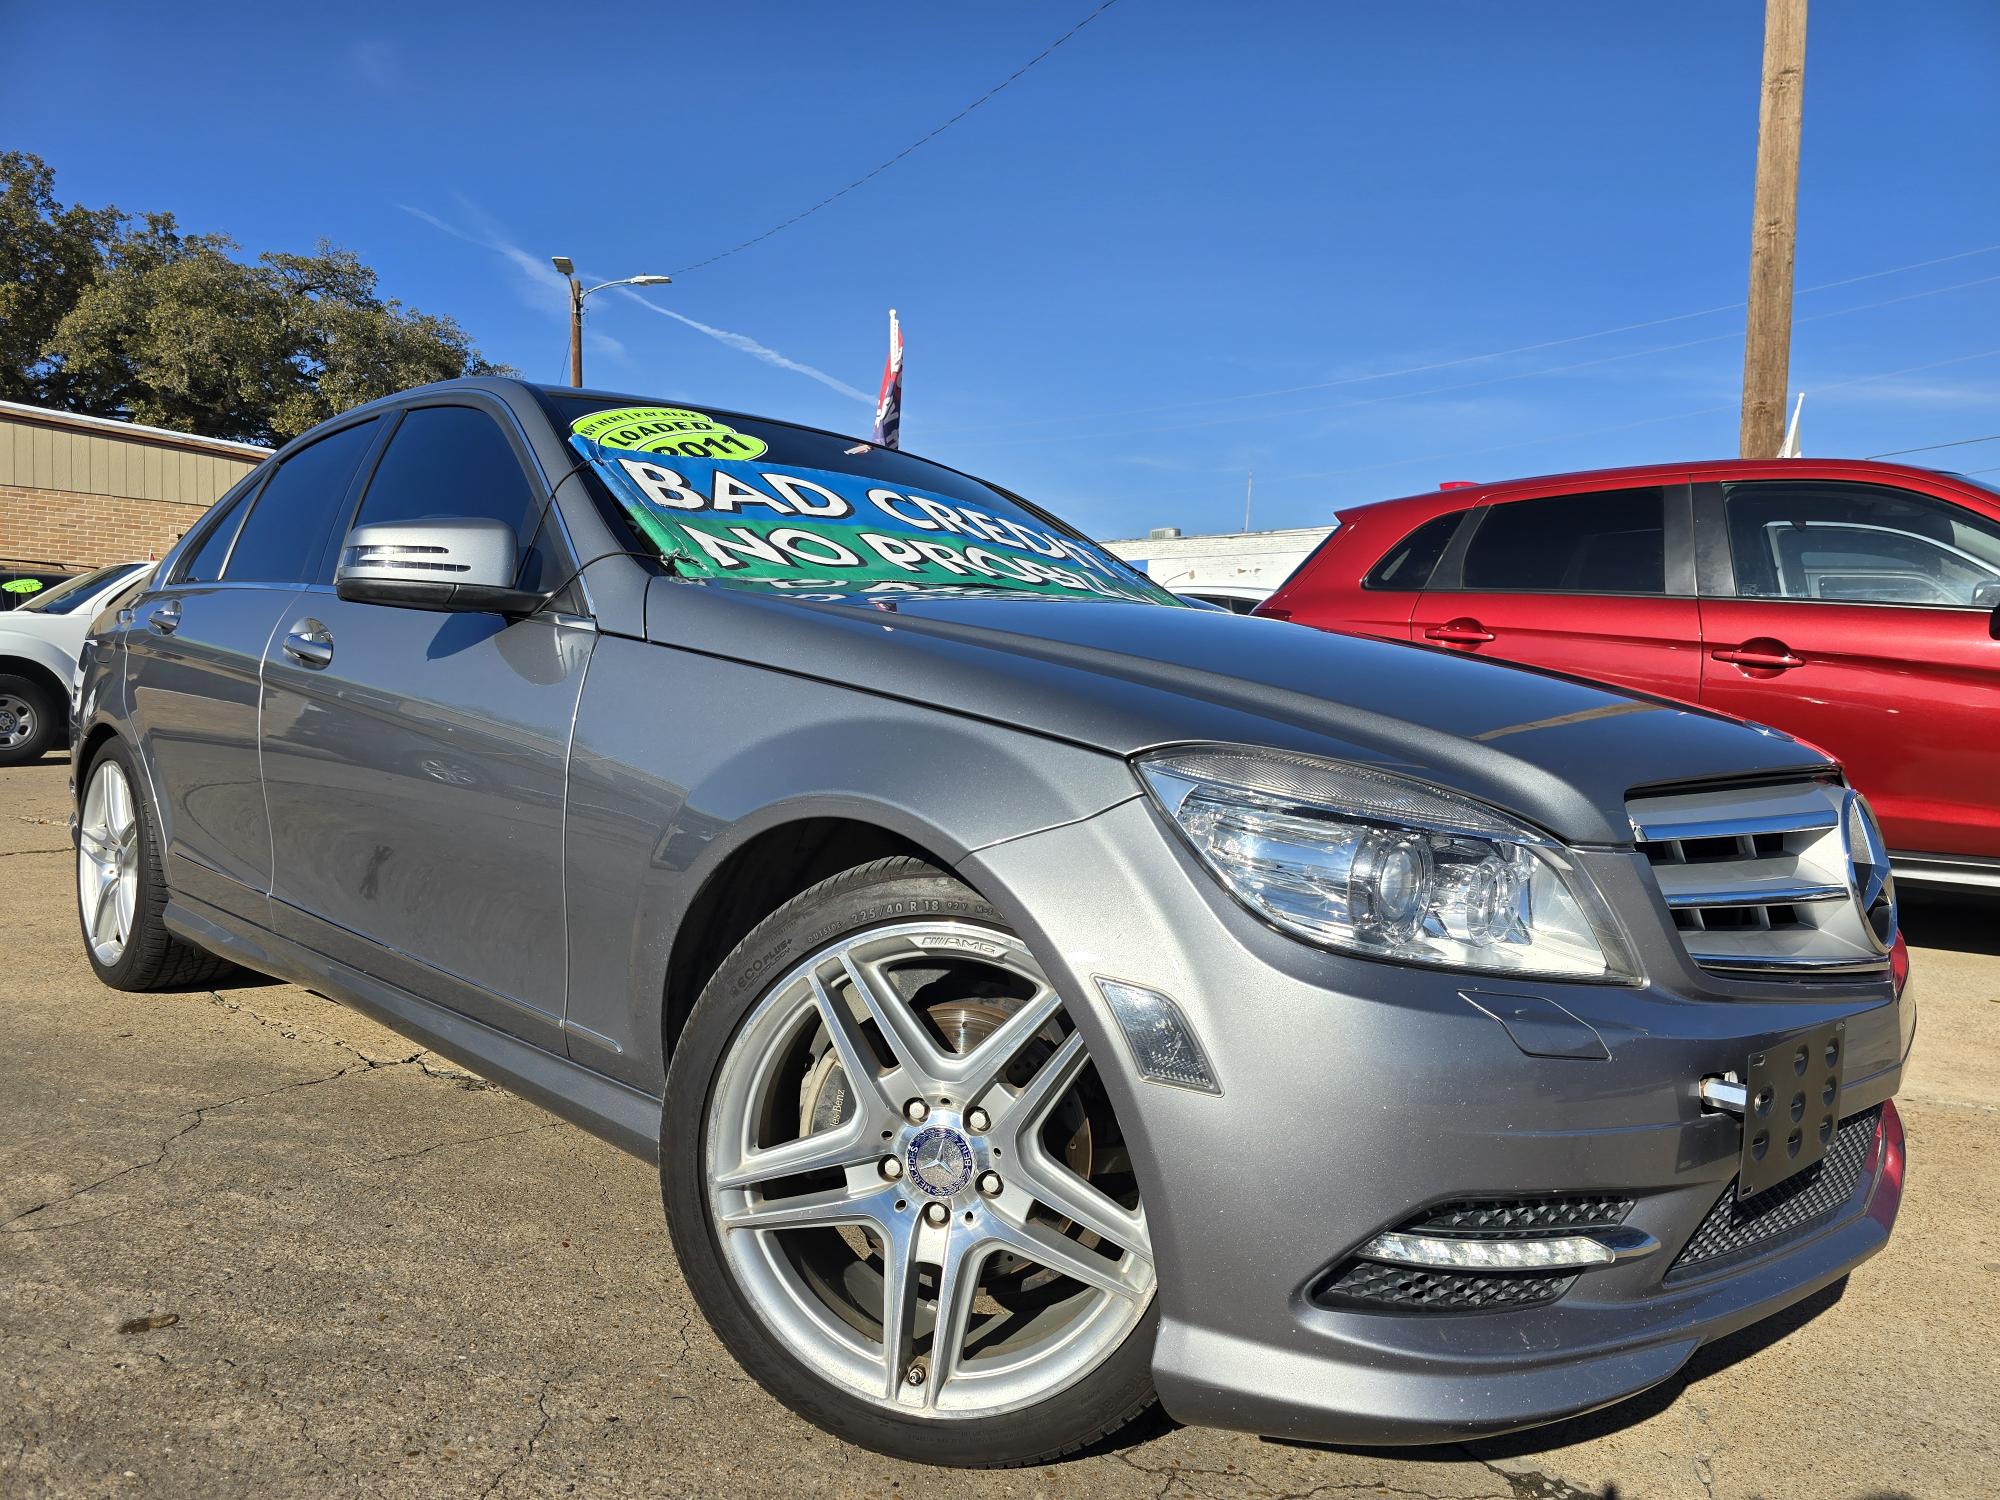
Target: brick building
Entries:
(77, 492)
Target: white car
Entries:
(39, 645)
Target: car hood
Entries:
(1129, 677)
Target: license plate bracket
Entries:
(1791, 1105)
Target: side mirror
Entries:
(453, 564)
(1986, 595)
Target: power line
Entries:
(1535, 348)
(924, 141)
(1933, 447)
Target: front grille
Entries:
(1759, 880)
(1739, 1230)
(1375, 1286)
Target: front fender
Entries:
(681, 759)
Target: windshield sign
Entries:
(707, 497)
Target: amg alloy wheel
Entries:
(107, 862)
(121, 893)
(913, 1182)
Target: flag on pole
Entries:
(889, 405)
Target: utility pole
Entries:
(1767, 339)
(1249, 478)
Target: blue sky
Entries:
(1103, 270)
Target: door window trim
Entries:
(1677, 542)
(1717, 558)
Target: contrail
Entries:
(541, 274)
(747, 345)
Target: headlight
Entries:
(1353, 858)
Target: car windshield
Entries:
(72, 592)
(776, 508)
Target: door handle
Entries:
(167, 618)
(1776, 658)
(1460, 632)
(308, 644)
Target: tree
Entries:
(172, 330)
(48, 256)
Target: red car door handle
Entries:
(1776, 657)
(1462, 632)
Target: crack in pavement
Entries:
(200, 1113)
(305, 1031)
(1175, 1473)
(534, 1439)
(1531, 1484)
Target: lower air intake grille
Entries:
(1738, 1231)
(1379, 1288)
(1374, 1286)
(1521, 1218)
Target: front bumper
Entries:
(1355, 1094)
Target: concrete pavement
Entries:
(251, 1243)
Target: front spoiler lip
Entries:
(1215, 1378)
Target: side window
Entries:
(282, 536)
(455, 461)
(1607, 542)
(204, 563)
(1407, 566)
(1859, 543)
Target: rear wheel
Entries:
(30, 719)
(896, 1184)
(121, 893)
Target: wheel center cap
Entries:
(940, 1161)
(6, 721)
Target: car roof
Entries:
(1461, 497)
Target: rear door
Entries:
(193, 655)
(1599, 583)
(1861, 617)
(415, 763)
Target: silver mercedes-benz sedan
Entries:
(1038, 993)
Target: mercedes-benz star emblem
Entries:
(1868, 871)
(940, 1162)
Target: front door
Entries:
(1597, 583)
(1861, 618)
(415, 763)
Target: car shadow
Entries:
(1963, 923)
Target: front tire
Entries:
(896, 1186)
(121, 889)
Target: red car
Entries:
(1853, 604)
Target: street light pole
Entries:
(577, 292)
